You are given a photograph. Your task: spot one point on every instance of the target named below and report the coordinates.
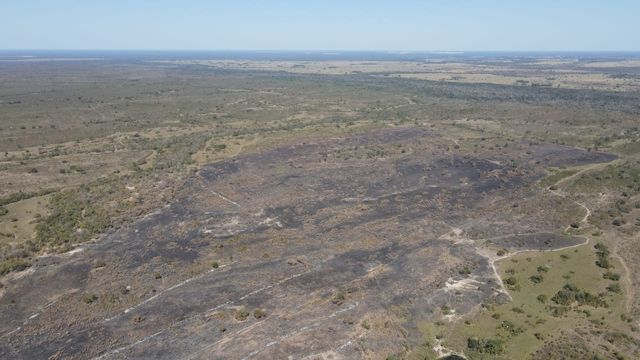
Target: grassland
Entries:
(525, 324)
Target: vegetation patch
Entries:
(556, 176)
(13, 264)
(570, 294)
(74, 218)
(485, 346)
(15, 197)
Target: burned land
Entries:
(206, 210)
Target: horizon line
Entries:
(320, 50)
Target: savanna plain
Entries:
(462, 207)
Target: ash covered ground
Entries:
(316, 249)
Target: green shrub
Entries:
(338, 298)
(511, 281)
(241, 314)
(558, 311)
(564, 297)
(511, 328)
(603, 263)
(611, 276)
(13, 264)
(615, 288)
(465, 271)
(89, 298)
(259, 314)
(536, 279)
(602, 248)
(543, 269)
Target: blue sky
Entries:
(321, 24)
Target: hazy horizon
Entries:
(281, 25)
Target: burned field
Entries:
(319, 248)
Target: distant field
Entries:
(570, 73)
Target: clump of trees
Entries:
(570, 294)
(485, 346)
(602, 252)
(74, 218)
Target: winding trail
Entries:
(493, 259)
(627, 278)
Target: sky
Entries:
(400, 25)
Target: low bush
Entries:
(89, 298)
(511, 328)
(543, 269)
(536, 279)
(615, 288)
(259, 314)
(338, 298)
(611, 276)
(241, 314)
